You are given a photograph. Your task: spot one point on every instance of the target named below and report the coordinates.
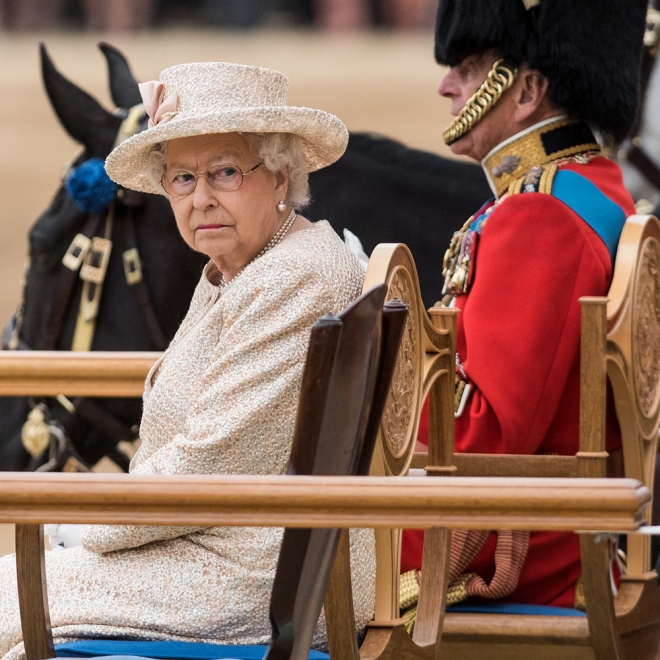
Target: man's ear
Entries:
(532, 94)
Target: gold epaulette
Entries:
(538, 179)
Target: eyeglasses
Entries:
(223, 178)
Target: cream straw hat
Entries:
(217, 97)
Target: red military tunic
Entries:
(518, 339)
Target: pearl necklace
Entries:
(277, 238)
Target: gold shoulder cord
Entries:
(499, 79)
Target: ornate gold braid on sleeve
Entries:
(499, 79)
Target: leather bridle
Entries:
(87, 257)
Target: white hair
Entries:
(276, 150)
(157, 164)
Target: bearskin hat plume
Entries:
(588, 49)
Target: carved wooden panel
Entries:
(646, 329)
(393, 264)
(400, 419)
(633, 358)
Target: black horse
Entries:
(380, 190)
(170, 271)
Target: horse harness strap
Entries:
(131, 124)
(92, 273)
(37, 431)
(131, 257)
(134, 278)
(67, 281)
(91, 256)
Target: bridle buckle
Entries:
(96, 262)
(77, 252)
(132, 266)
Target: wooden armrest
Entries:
(300, 501)
(49, 373)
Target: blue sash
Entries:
(583, 197)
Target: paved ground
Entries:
(378, 82)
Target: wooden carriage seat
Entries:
(425, 364)
(620, 342)
(346, 378)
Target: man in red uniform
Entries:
(546, 76)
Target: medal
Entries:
(458, 263)
(453, 265)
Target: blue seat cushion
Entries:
(93, 648)
(196, 651)
(513, 608)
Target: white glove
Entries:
(61, 537)
(355, 246)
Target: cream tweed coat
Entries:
(221, 401)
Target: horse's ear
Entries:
(83, 118)
(123, 86)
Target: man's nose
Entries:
(447, 86)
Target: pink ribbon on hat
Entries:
(159, 107)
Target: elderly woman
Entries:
(233, 159)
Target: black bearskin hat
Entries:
(589, 50)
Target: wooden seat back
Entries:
(424, 367)
(425, 364)
(338, 398)
(631, 352)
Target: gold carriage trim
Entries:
(549, 141)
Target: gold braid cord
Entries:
(499, 79)
(408, 589)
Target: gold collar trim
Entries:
(540, 144)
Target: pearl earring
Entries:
(281, 207)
